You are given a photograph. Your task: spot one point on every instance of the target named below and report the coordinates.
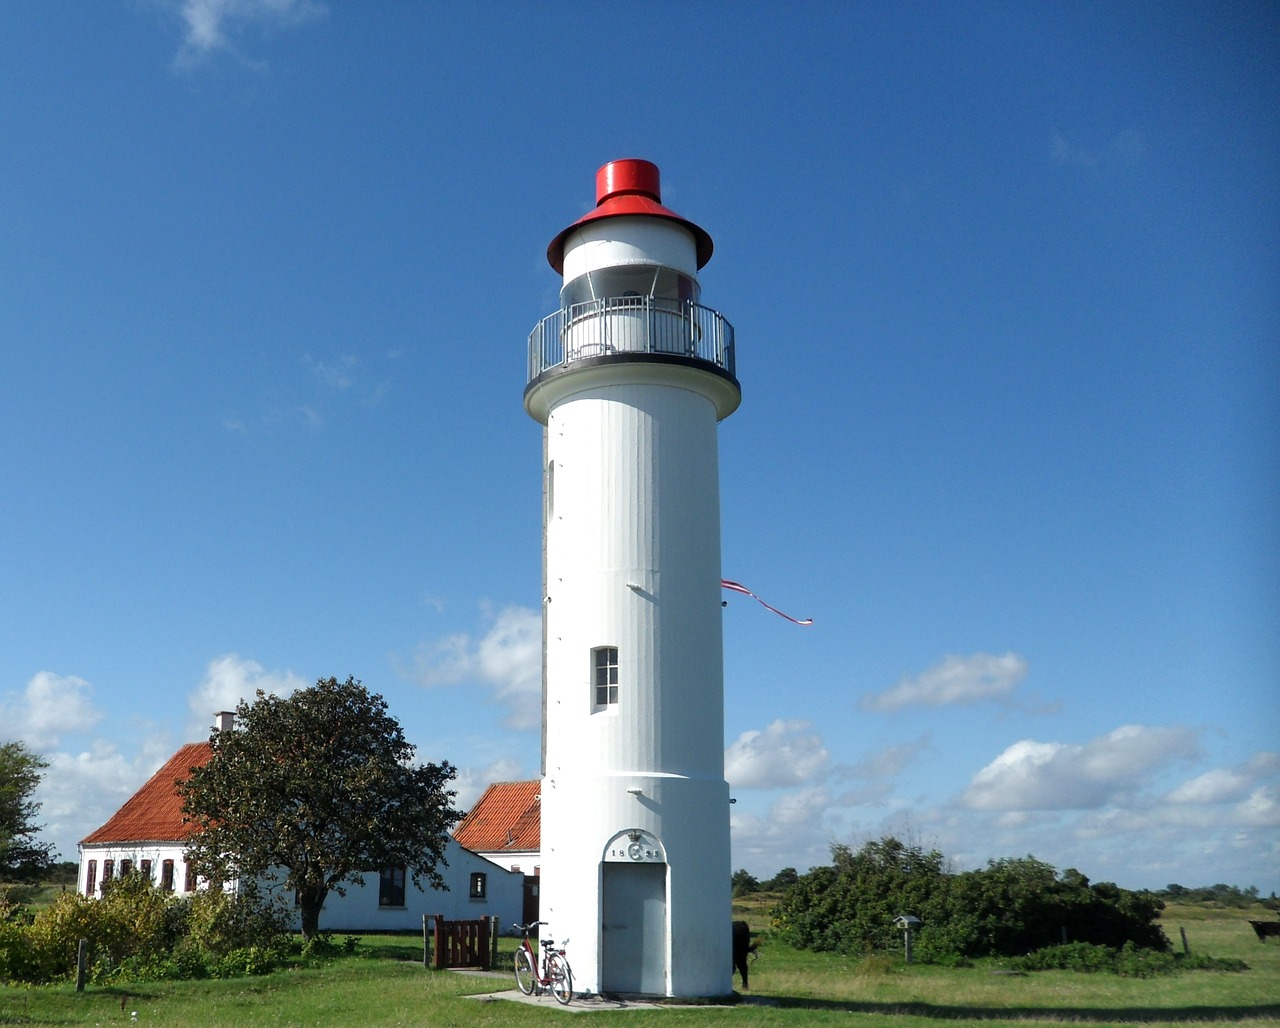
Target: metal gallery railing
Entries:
(631, 324)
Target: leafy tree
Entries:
(22, 858)
(318, 787)
(783, 880)
(744, 883)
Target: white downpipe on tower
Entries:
(630, 378)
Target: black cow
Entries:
(1263, 928)
(743, 945)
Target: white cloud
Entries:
(784, 754)
(800, 808)
(1032, 775)
(1261, 808)
(228, 680)
(471, 782)
(1221, 785)
(334, 376)
(889, 761)
(795, 831)
(79, 791)
(210, 26)
(1100, 806)
(954, 681)
(1226, 784)
(50, 706)
(507, 657)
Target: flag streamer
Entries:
(738, 587)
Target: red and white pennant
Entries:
(737, 587)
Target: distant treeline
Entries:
(1218, 895)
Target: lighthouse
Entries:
(630, 378)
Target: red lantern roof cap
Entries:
(629, 187)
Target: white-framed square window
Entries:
(604, 676)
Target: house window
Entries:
(479, 881)
(146, 870)
(166, 876)
(91, 878)
(126, 866)
(189, 879)
(108, 872)
(604, 675)
(391, 887)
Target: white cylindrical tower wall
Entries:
(635, 808)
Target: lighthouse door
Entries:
(634, 957)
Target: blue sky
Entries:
(1004, 284)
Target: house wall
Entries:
(358, 910)
(524, 861)
(156, 852)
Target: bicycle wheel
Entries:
(524, 972)
(561, 978)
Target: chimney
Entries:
(224, 720)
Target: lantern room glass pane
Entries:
(624, 280)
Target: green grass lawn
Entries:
(385, 984)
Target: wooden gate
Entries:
(463, 943)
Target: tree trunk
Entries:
(310, 901)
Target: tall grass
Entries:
(384, 983)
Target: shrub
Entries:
(131, 920)
(219, 922)
(139, 933)
(1010, 907)
(1128, 961)
(17, 958)
(246, 960)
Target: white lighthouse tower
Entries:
(630, 378)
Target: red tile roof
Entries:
(154, 812)
(507, 817)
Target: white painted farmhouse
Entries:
(505, 827)
(147, 835)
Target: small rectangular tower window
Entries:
(479, 882)
(604, 675)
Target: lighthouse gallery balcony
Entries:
(625, 328)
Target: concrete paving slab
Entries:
(587, 1003)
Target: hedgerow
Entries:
(1129, 961)
(137, 932)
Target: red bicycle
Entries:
(555, 974)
